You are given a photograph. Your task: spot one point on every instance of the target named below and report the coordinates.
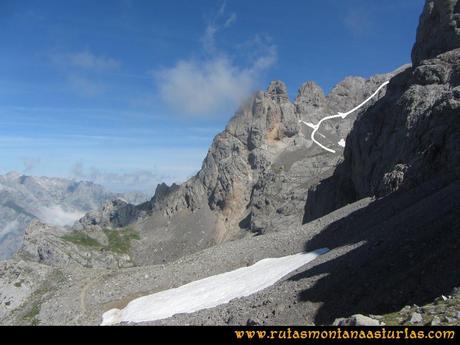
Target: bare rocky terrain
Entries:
(386, 206)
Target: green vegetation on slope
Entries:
(82, 239)
(31, 316)
(34, 302)
(443, 311)
(119, 241)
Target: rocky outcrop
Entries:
(357, 320)
(93, 248)
(19, 281)
(438, 31)
(442, 311)
(113, 214)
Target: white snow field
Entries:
(210, 292)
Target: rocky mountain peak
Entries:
(277, 90)
(438, 30)
(312, 92)
(37, 227)
(311, 100)
(114, 213)
(162, 190)
(13, 175)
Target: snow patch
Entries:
(210, 292)
(341, 142)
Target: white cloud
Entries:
(230, 20)
(30, 164)
(83, 70)
(91, 61)
(222, 7)
(358, 22)
(86, 60)
(10, 227)
(260, 51)
(209, 38)
(203, 87)
(220, 22)
(56, 215)
(215, 83)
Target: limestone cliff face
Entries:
(208, 208)
(438, 30)
(411, 135)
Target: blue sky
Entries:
(130, 93)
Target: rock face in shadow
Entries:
(405, 152)
(409, 136)
(385, 254)
(438, 31)
(407, 253)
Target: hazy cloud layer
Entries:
(140, 180)
(10, 227)
(86, 86)
(56, 215)
(30, 164)
(201, 87)
(83, 69)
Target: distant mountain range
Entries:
(55, 201)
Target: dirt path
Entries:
(83, 293)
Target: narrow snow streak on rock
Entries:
(339, 114)
(210, 292)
